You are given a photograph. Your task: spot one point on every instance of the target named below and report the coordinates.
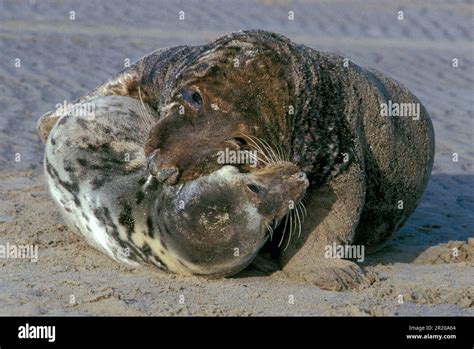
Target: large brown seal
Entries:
(364, 141)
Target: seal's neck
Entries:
(319, 137)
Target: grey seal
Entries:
(364, 141)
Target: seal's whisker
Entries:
(254, 145)
(274, 152)
(262, 160)
(285, 154)
(299, 221)
(284, 231)
(270, 230)
(279, 153)
(257, 158)
(270, 150)
(258, 148)
(291, 213)
(303, 209)
(284, 157)
(303, 201)
(145, 117)
(288, 154)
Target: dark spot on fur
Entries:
(71, 187)
(164, 245)
(104, 216)
(149, 224)
(133, 113)
(82, 123)
(68, 168)
(98, 182)
(139, 197)
(159, 263)
(126, 218)
(146, 249)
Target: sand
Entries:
(61, 59)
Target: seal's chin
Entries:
(226, 268)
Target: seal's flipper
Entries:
(45, 124)
(333, 212)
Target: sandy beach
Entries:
(49, 58)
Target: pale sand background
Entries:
(63, 59)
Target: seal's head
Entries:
(216, 224)
(239, 84)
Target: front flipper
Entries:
(333, 212)
(332, 275)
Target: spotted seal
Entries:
(340, 123)
(213, 225)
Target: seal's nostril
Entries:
(170, 175)
(240, 141)
(254, 188)
(237, 143)
(161, 172)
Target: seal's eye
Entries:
(196, 98)
(254, 188)
(193, 98)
